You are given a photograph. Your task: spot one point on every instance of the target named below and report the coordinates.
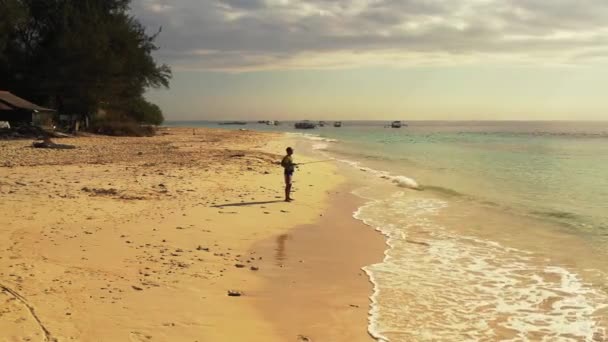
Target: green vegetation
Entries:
(80, 56)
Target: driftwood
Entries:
(47, 143)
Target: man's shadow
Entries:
(244, 204)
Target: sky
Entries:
(381, 59)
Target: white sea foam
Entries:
(320, 146)
(310, 136)
(434, 285)
(401, 181)
(321, 143)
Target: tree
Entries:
(146, 112)
(78, 55)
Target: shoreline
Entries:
(317, 288)
(141, 238)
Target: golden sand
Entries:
(140, 239)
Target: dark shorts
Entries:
(288, 176)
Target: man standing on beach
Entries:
(289, 167)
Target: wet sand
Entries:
(315, 288)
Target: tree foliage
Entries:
(79, 56)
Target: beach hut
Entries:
(18, 111)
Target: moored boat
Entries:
(233, 123)
(305, 125)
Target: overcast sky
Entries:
(382, 59)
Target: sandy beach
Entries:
(140, 239)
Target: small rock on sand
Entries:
(233, 293)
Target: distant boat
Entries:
(232, 123)
(270, 123)
(322, 123)
(396, 124)
(338, 124)
(305, 125)
(277, 123)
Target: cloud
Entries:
(271, 34)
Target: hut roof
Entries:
(9, 101)
(5, 106)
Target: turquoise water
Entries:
(557, 172)
(496, 231)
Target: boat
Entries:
(322, 123)
(305, 125)
(338, 124)
(232, 123)
(396, 124)
(270, 123)
(277, 123)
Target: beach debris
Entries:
(234, 293)
(302, 338)
(201, 248)
(47, 143)
(353, 306)
(254, 268)
(237, 155)
(239, 265)
(132, 197)
(100, 191)
(137, 288)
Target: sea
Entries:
(496, 231)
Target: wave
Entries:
(399, 180)
(434, 284)
(322, 143)
(444, 191)
(564, 215)
(310, 136)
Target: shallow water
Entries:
(441, 283)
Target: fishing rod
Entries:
(316, 161)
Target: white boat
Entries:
(396, 124)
